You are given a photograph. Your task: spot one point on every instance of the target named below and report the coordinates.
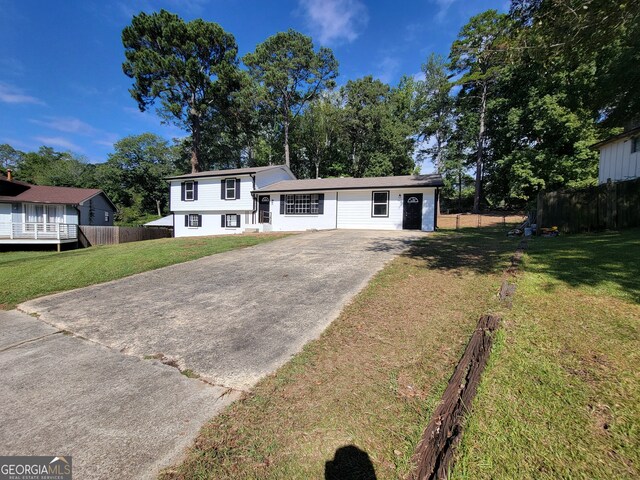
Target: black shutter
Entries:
(183, 188)
(238, 220)
(195, 190)
(224, 219)
(199, 220)
(237, 189)
(223, 193)
(321, 203)
(282, 201)
(186, 220)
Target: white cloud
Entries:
(444, 8)
(67, 125)
(59, 142)
(388, 68)
(12, 94)
(334, 21)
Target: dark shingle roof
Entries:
(226, 173)
(47, 194)
(348, 183)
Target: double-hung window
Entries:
(635, 145)
(380, 204)
(304, 204)
(189, 191)
(230, 188)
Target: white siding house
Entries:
(620, 157)
(270, 199)
(220, 201)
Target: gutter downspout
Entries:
(337, 194)
(255, 201)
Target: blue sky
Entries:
(61, 81)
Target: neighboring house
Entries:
(38, 214)
(271, 199)
(620, 157)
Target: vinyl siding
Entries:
(272, 176)
(617, 162)
(292, 223)
(209, 197)
(211, 225)
(5, 213)
(354, 211)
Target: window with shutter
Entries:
(230, 188)
(304, 204)
(189, 191)
(233, 220)
(194, 220)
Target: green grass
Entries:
(27, 275)
(561, 395)
(374, 376)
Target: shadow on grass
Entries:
(591, 260)
(480, 250)
(349, 463)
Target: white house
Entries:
(620, 157)
(271, 199)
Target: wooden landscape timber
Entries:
(435, 452)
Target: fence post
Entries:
(457, 221)
(611, 205)
(539, 212)
(479, 220)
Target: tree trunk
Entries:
(459, 190)
(158, 207)
(479, 159)
(354, 161)
(195, 140)
(285, 125)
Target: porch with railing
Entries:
(45, 232)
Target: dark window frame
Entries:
(299, 205)
(191, 222)
(226, 189)
(236, 218)
(374, 203)
(635, 145)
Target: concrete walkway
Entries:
(116, 415)
(232, 318)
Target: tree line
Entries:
(513, 109)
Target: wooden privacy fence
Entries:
(466, 220)
(611, 206)
(93, 235)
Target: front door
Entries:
(263, 208)
(412, 211)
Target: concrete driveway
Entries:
(231, 318)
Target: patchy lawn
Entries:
(365, 390)
(27, 275)
(561, 395)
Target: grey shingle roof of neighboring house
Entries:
(227, 173)
(404, 181)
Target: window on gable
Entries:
(380, 204)
(194, 220)
(230, 188)
(635, 145)
(189, 191)
(106, 216)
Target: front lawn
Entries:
(27, 275)
(364, 391)
(561, 395)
